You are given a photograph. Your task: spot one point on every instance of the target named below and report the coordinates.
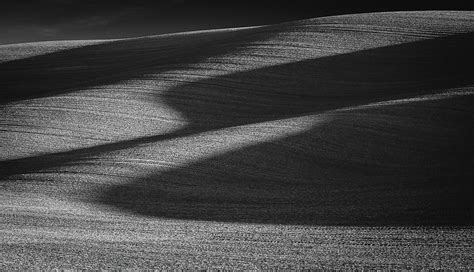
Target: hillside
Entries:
(332, 142)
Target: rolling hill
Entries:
(333, 142)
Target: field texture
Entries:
(335, 142)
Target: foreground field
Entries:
(334, 142)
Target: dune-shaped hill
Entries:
(362, 121)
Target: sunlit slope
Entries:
(358, 120)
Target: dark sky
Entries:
(36, 20)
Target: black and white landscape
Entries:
(339, 142)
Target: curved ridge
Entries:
(361, 120)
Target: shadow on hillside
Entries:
(326, 83)
(365, 167)
(403, 169)
(297, 89)
(106, 63)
